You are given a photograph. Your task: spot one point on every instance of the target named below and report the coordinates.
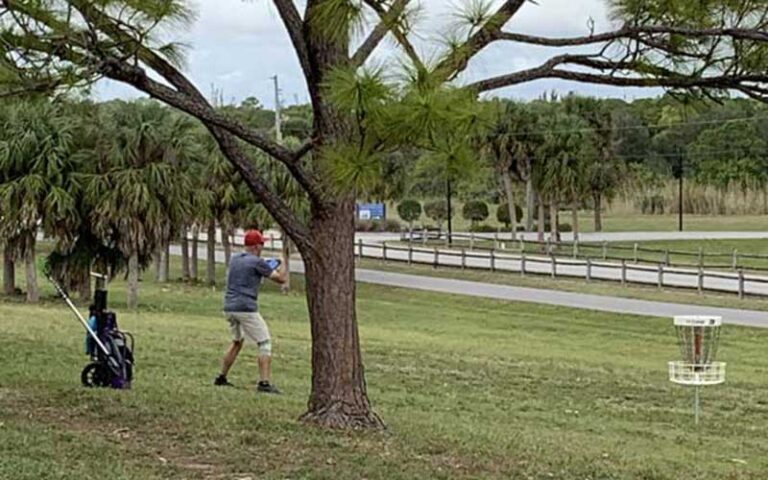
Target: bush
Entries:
(409, 211)
(377, 226)
(482, 228)
(475, 212)
(437, 211)
(502, 214)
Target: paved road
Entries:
(542, 296)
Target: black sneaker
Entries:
(221, 381)
(266, 387)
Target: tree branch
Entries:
(386, 25)
(459, 59)
(295, 27)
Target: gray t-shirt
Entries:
(243, 281)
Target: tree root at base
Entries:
(343, 416)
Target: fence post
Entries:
(701, 280)
(437, 258)
(589, 269)
(463, 258)
(661, 275)
(548, 245)
(424, 236)
(575, 248)
(384, 250)
(493, 260)
(410, 254)
(637, 259)
(496, 239)
(666, 258)
(554, 265)
(605, 250)
(623, 271)
(522, 264)
(735, 259)
(360, 247)
(471, 241)
(741, 283)
(522, 246)
(701, 257)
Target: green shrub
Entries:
(483, 228)
(475, 212)
(502, 214)
(437, 211)
(409, 211)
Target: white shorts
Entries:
(248, 324)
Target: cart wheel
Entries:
(95, 375)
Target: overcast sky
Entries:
(237, 46)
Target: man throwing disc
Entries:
(246, 270)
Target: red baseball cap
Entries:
(253, 238)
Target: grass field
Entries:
(469, 389)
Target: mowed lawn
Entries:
(469, 388)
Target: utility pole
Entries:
(278, 112)
(449, 193)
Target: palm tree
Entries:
(37, 189)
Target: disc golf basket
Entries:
(698, 338)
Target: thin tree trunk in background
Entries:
(286, 246)
(510, 203)
(30, 264)
(338, 398)
(84, 287)
(133, 281)
(553, 232)
(575, 215)
(765, 201)
(165, 262)
(541, 221)
(598, 198)
(185, 275)
(194, 263)
(530, 200)
(227, 244)
(210, 275)
(157, 257)
(9, 273)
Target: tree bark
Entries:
(530, 200)
(339, 398)
(553, 222)
(133, 281)
(185, 274)
(84, 287)
(210, 275)
(165, 262)
(541, 221)
(575, 215)
(598, 198)
(194, 255)
(9, 273)
(510, 203)
(286, 247)
(30, 264)
(227, 244)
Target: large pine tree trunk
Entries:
(510, 203)
(193, 271)
(133, 281)
(185, 274)
(338, 398)
(30, 264)
(598, 198)
(165, 262)
(210, 272)
(9, 273)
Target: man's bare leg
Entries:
(229, 358)
(265, 368)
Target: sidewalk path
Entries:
(541, 296)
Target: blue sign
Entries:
(371, 211)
